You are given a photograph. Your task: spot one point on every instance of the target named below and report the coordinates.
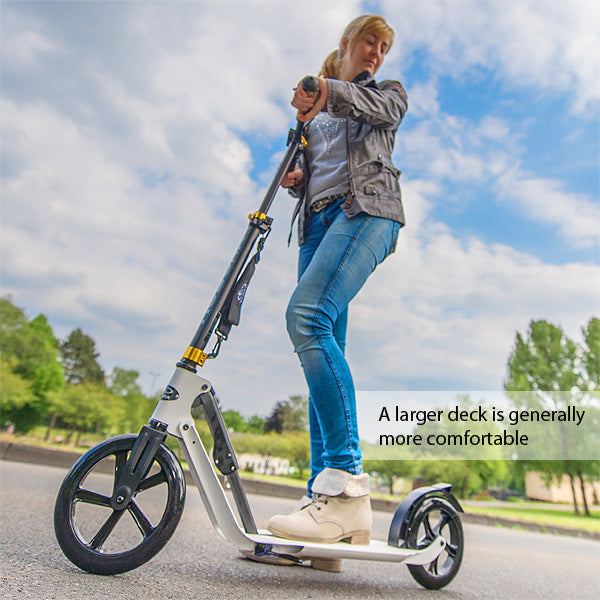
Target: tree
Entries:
(234, 420)
(256, 424)
(12, 322)
(15, 391)
(390, 470)
(466, 476)
(591, 354)
(470, 468)
(299, 451)
(123, 383)
(289, 415)
(548, 363)
(275, 420)
(87, 407)
(79, 358)
(47, 375)
(32, 351)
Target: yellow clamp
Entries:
(303, 141)
(257, 215)
(195, 355)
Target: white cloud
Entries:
(457, 149)
(128, 176)
(423, 99)
(126, 180)
(444, 310)
(534, 43)
(489, 151)
(545, 200)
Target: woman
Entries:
(350, 213)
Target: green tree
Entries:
(390, 470)
(86, 407)
(32, 351)
(256, 424)
(471, 469)
(15, 391)
(289, 415)
(234, 420)
(79, 358)
(122, 382)
(591, 354)
(466, 476)
(548, 363)
(137, 408)
(298, 451)
(12, 323)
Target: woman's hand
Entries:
(307, 107)
(293, 178)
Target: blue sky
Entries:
(137, 136)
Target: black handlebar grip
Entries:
(310, 84)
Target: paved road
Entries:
(197, 563)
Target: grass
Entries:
(36, 438)
(544, 514)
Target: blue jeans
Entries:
(337, 257)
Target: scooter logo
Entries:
(241, 293)
(170, 393)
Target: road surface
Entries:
(197, 563)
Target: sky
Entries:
(138, 136)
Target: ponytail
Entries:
(331, 66)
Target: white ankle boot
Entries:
(340, 511)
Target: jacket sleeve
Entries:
(380, 106)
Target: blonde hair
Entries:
(355, 30)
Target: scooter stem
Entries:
(259, 223)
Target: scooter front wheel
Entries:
(103, 540)
(436, 516)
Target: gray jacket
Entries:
(373, 112)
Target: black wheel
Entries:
(434, 517)
(105, 541)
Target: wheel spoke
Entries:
(91, 497)
(141, 520)
(106, 529)
(151, 482)
(433, 566)
(120, 460)
(451, 549)
(445, 519)
(430, 535)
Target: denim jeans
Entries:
(337, 257)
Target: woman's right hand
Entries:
(292, 178)
(305, 102)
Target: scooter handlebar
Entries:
(310, 84)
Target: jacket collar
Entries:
(363, 78)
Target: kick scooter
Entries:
(113, 528)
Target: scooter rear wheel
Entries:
(436, 516)
(105, 541)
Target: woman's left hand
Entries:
(307, 107)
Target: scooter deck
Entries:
(376, 550)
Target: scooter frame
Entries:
(186, 390)
(173, 416)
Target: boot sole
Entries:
(333, 565)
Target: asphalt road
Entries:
(197, 563)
